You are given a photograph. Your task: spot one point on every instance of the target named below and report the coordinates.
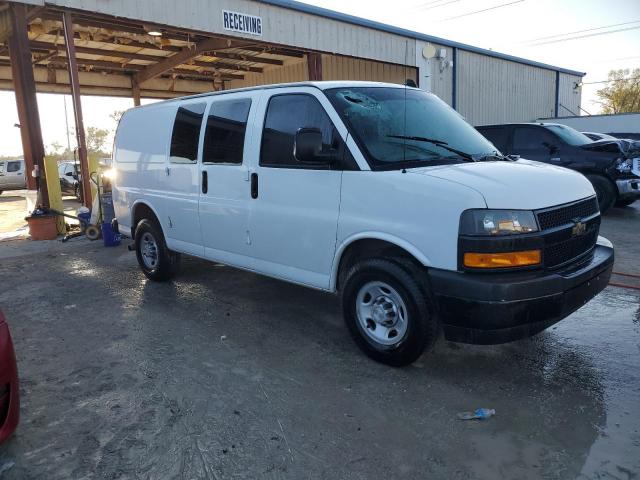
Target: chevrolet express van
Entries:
(378, 192)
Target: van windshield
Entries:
(400, 128)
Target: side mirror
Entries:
(307, 147)
(69, 174)
(552, 148)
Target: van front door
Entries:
(294, 207)
(224, 178)
(181, 196)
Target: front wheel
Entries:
(386, 311)
(157, 262)
(605, 191)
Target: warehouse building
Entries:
(169, 48)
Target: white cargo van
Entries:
(376, 191)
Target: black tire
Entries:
(625, 202)
(422, 328)
(605, 191)
(166, 262)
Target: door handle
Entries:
(205, 181)
(254, 185)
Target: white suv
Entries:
(377, 191)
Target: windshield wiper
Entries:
(441, 143)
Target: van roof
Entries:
(324, 85)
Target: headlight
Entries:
(497, 222)
(624, 166)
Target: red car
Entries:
(9, 396)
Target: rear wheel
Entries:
(155, 259)
(386, 311)
(605, 191)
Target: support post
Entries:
(135, 90)
(314, 64)
(67, 22)
(26, 101)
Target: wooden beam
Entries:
(135, 91)
(180, 58)
(37, 45)
(67, 22)
(27, 105)
(104, 66)
(314, 66)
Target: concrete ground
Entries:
(224, 374)
(13, 209)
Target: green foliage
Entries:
(96, 139)
(622, 93)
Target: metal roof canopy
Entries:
(118, 57)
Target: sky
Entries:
(539, 30)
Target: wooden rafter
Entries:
(184, 56)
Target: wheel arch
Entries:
(140, 210)
(371, 245)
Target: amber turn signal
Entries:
(502, 260)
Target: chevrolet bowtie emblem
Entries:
(579, 228)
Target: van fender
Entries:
(150, 207)
(397, 241)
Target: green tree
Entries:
(96, 139)
(622, 93)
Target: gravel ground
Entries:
(224, 374)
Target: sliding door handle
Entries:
(254, 185)
(205, 182)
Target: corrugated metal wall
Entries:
(568, 96)
(333, 68)
(491, 90)
(291, 72)
(280, 25)
(347, 68)
(442, 76)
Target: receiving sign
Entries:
(241, 22)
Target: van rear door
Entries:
(183, 179)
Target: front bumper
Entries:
(491, 308)
(628, 188)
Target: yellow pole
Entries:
(94, 165)
(55, 194)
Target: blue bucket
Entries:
(109, 237)
(85, 218)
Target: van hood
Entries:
(521, 184)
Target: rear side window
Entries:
(498, 136)
(13, 167)
(186, 133)
(286, 114)
(226, 127)
(531, 138)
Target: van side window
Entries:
(498, 136)
(286, 114)
(186, 133)
(224, 136)
(531, 138)
(13, 167)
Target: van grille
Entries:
(563, 244)
(563, 252)
(558, 216)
